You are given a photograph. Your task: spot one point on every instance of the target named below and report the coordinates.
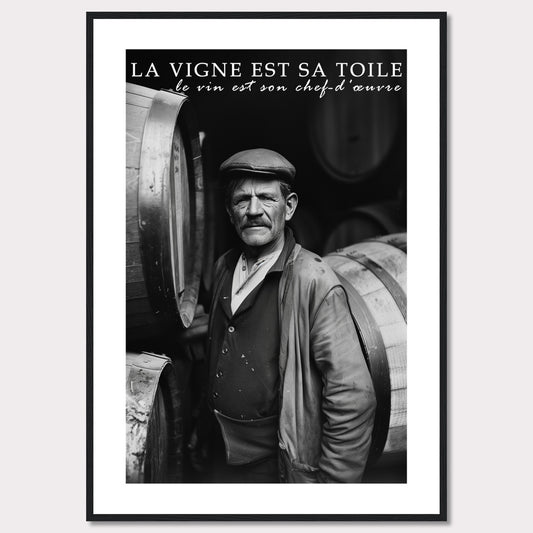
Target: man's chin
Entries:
(256, 237)
(256, 243)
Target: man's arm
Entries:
(348, 402)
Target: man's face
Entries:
(258, 211)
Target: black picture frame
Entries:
(93, 514)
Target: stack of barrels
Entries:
(357, 143)
(357, 139)
(164, 259)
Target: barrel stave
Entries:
(391, 259)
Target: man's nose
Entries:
(254, 207)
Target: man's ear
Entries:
(291, 204)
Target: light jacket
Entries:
(327, 400)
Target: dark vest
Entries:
(244, 352)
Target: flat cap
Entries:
(261, 163)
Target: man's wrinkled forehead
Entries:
(255, 186)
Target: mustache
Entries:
(255, 224)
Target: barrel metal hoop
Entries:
(376, 356)
(388, 281)
(153, 201)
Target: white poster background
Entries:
(421, 494)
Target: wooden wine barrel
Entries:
(154, 428)
(374, 276)
(363, 223)
(353, 134)
(164, 211)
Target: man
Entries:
(288, 384)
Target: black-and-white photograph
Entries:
(266, 252)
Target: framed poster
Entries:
(356, 103)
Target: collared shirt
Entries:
(246, 280)
(244, 346)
